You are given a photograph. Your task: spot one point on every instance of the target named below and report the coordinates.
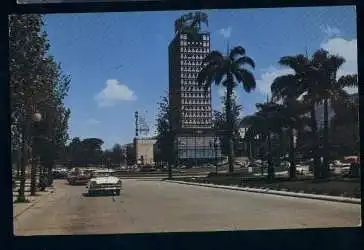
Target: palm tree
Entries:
(329, 89)
(316, 78)
(229, 71)
(288, 88)
(302, 81)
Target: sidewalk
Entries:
(275, 192)
(20, 208)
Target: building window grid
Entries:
(193, 94)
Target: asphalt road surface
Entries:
(155, 206)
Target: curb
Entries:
(275, 192)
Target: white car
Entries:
(103, 181)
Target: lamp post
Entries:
(37, 117)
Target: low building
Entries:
(144, 150)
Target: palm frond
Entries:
(283, 86)
(206, 76)
(245, 60)
(252, 121)
(214, 57)
(325, 62)
(298, 63)
(348, 81)
(246, 78)
(236, 51)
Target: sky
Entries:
(118, 62)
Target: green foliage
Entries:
(220, 124)
(37, 85)
(228, 71)
(164, 137)
(85, 152)
(315, 79)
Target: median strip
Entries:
(275, 192)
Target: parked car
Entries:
(59, 173)
(103, 181)
(77, 177)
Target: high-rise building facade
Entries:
(191, 112)
(193, 105)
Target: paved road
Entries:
(154, 206)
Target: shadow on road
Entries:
(99, 195)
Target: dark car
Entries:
(59, 174)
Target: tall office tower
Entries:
(191, 114)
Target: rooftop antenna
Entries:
(136, 116)
(141, 126)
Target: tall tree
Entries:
(164, 133)
(38, 85)
(220, 124)
(84, 152)
(318, 83)
(228, 70)
(329, 89)
(301, 65)
(32, 84)
(288, 88)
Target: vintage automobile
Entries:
(77, 177)
(103, 181)
(59, 173)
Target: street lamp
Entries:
(36, 117)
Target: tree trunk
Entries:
(292, 158)
(270, 174)
(325, 165)
(315, 149)
(23, 165)
(230, 126)
(18, 163)
(33, 175)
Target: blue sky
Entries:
(119, 61)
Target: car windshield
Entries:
(102, 174)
